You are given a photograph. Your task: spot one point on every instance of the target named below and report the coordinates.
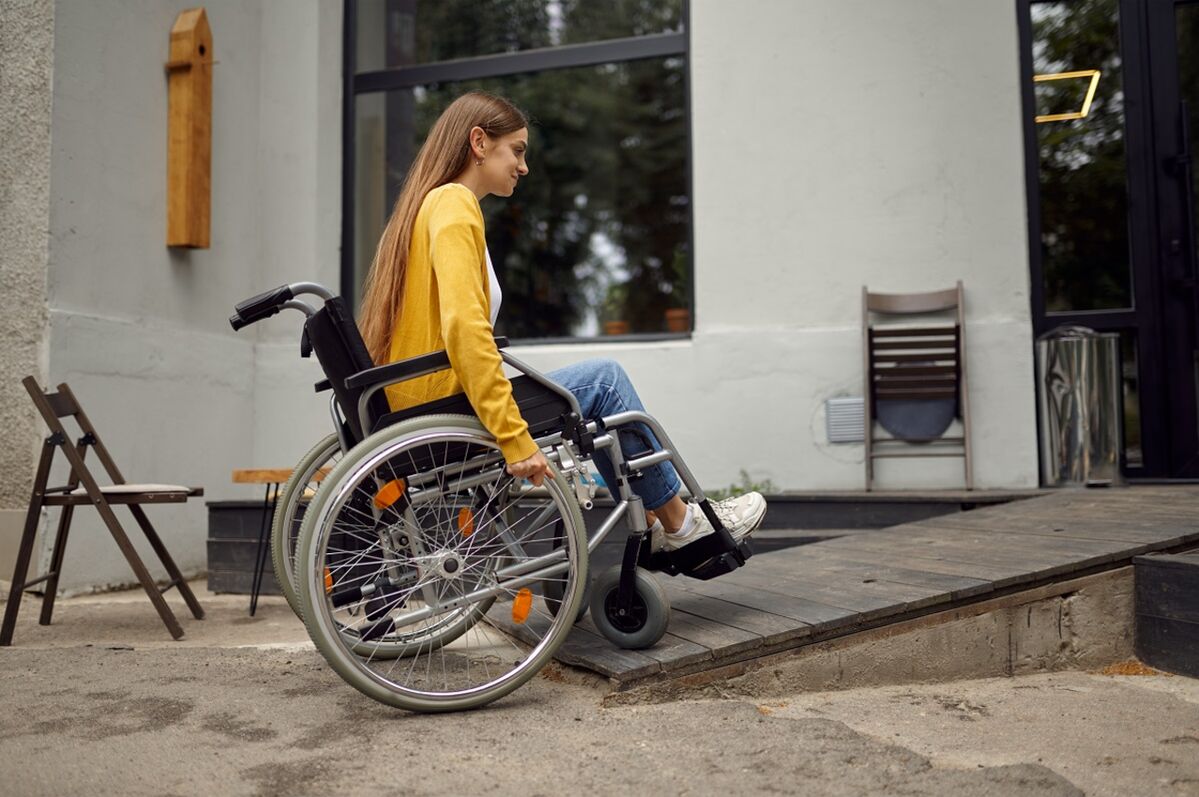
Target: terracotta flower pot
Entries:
(616, 327)
(678, 319)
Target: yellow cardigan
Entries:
(447, 305)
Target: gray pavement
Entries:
(103, 702)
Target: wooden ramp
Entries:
(795, 597)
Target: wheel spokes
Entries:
(431, 594)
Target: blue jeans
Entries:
(603, 388)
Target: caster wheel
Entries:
(644, 624)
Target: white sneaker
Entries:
(740, 515)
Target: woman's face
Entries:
(504, 162)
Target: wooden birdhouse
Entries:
(189, 130)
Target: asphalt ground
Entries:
(103, 702)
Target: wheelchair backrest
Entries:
(341, 351)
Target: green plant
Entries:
(746, 485)
(615, 304)
(680, 294)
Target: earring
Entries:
(479, 162)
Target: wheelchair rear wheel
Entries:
(289, 512)
(418, 568)
(552, 590)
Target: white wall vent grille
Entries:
(846, 420)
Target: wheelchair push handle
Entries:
(256, 308)
(268, 303)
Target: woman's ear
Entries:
(478, 142)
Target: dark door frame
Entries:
(1175, 239)
(1164, 426)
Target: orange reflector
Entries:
(466, 522)
(328, 580)
(521, 605)
(389, 493)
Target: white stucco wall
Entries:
(847, 144)
(26, 69)
(838, 145)
(138, 329)
(835, 145)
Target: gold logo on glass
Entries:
(1093, 74)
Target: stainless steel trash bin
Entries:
(1080, 407)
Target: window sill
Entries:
(645, 337)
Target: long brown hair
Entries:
(443, 156)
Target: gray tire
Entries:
(296, 495)
(646, 621)
(421, 508)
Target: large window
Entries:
(596, 241)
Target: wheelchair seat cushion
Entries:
(542, 408)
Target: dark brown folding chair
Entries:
(915, 377)
(82, 489)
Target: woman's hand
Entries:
(534, 468)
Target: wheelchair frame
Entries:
(569, 446)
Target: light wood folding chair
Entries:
(915, 377)
(82, 489)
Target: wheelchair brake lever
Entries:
(576, 472)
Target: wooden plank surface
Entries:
(867, 601)
(1166, 590)
(811, 614)
(671, 651)
(1028, 564)
(583, 648)
(889, 570)
(1094, 526)
(716, 636)
(782, 598)
(975, 546)
(987, 572)
(832, 580)
(771, 628)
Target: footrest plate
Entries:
(703, 559)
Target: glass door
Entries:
(1111, 118)
(1087, 260)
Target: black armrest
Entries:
(406, 369)
(399, 371)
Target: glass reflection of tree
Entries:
(1084, 206)
(606, 202)
(449, 29)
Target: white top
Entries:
(497, 296)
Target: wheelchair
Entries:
(427, 576)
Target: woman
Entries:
(432, 286)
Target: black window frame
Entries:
(633, 48)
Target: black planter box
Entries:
(233, 529)
(1167, 611)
